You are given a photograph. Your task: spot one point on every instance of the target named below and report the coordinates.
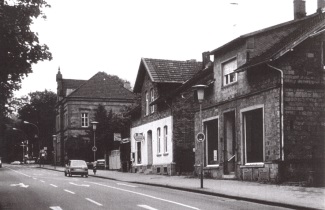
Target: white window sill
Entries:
(253, 165)
(212, 166)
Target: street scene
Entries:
(162, 105)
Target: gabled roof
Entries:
(275, 41)
(72, 83)
(102, 85)
(166, 71)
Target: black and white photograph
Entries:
(162, 104)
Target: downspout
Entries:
(281, 112)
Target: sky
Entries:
(112, 36)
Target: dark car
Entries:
(76, 167)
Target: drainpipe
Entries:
(281, 112)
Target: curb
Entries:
(265, 202)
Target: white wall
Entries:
(162, 158)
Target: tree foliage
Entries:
(19, 45)
(41, 112)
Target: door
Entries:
(230, 143)
(149, 149)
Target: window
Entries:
(84, 120)
(158, 140)
(147, 104)
(152, 98)
(58, 122)
(66, 120)
(323, 52)
(253, 136)
(165, 139)
(139, 152)
(229, 76)
(211, 133)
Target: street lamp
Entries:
(39, 144)
(94, 123)
(55, 151)
(25, 137)
(200, 96)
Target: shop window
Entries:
(253, 136)
(211, 134)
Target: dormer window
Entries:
(228, 68)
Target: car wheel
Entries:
(65, 173)
(70, 174)
(86, 176)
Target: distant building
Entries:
(77, 103)
(265, 120)
(162, 130)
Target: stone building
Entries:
(76, 106)
(162, 130)
(265, 117)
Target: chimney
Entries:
(320, 5)
(299, 9)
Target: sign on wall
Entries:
(215, 155)
(138, 137)
(117, 136)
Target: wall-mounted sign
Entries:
(126, 140)
(117, 136)
(138, 137)
(215, 155)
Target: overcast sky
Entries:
(86, 37)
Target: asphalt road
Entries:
(26, 187)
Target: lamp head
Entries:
(94, 123)
(200, 92)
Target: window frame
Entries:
(243, 132)
(146, 103)
(152, 98)
(158, 140)
(165, 139)
(85, 120)
(227, 77)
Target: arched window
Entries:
(158, 141)
(165, 139)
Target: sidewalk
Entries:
(278, 195)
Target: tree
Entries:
(19, 46)
(41, 112)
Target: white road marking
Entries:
(55, 207)
(147, 207)
(69, 191)
(126, 185)
(81, 185)
(19, 172)
(142, 194)
(53, 185)
(20, 185)
(42, 181)
(99, 204)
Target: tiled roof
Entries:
(102, 85)
(171, 71)
(273, 42)
(166, 71)
(72, 83)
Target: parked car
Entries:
(16, 162)
(100, 163)
(76, 167)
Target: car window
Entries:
(79, 163)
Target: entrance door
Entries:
(149, 149)
(211, 145)
(230, 143)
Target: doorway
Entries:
(230, 143)
(149, 148)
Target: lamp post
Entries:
(23, 145)
(54, 147)
(94, 123)
(26, 140)
(200, 96)
(39, 144)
